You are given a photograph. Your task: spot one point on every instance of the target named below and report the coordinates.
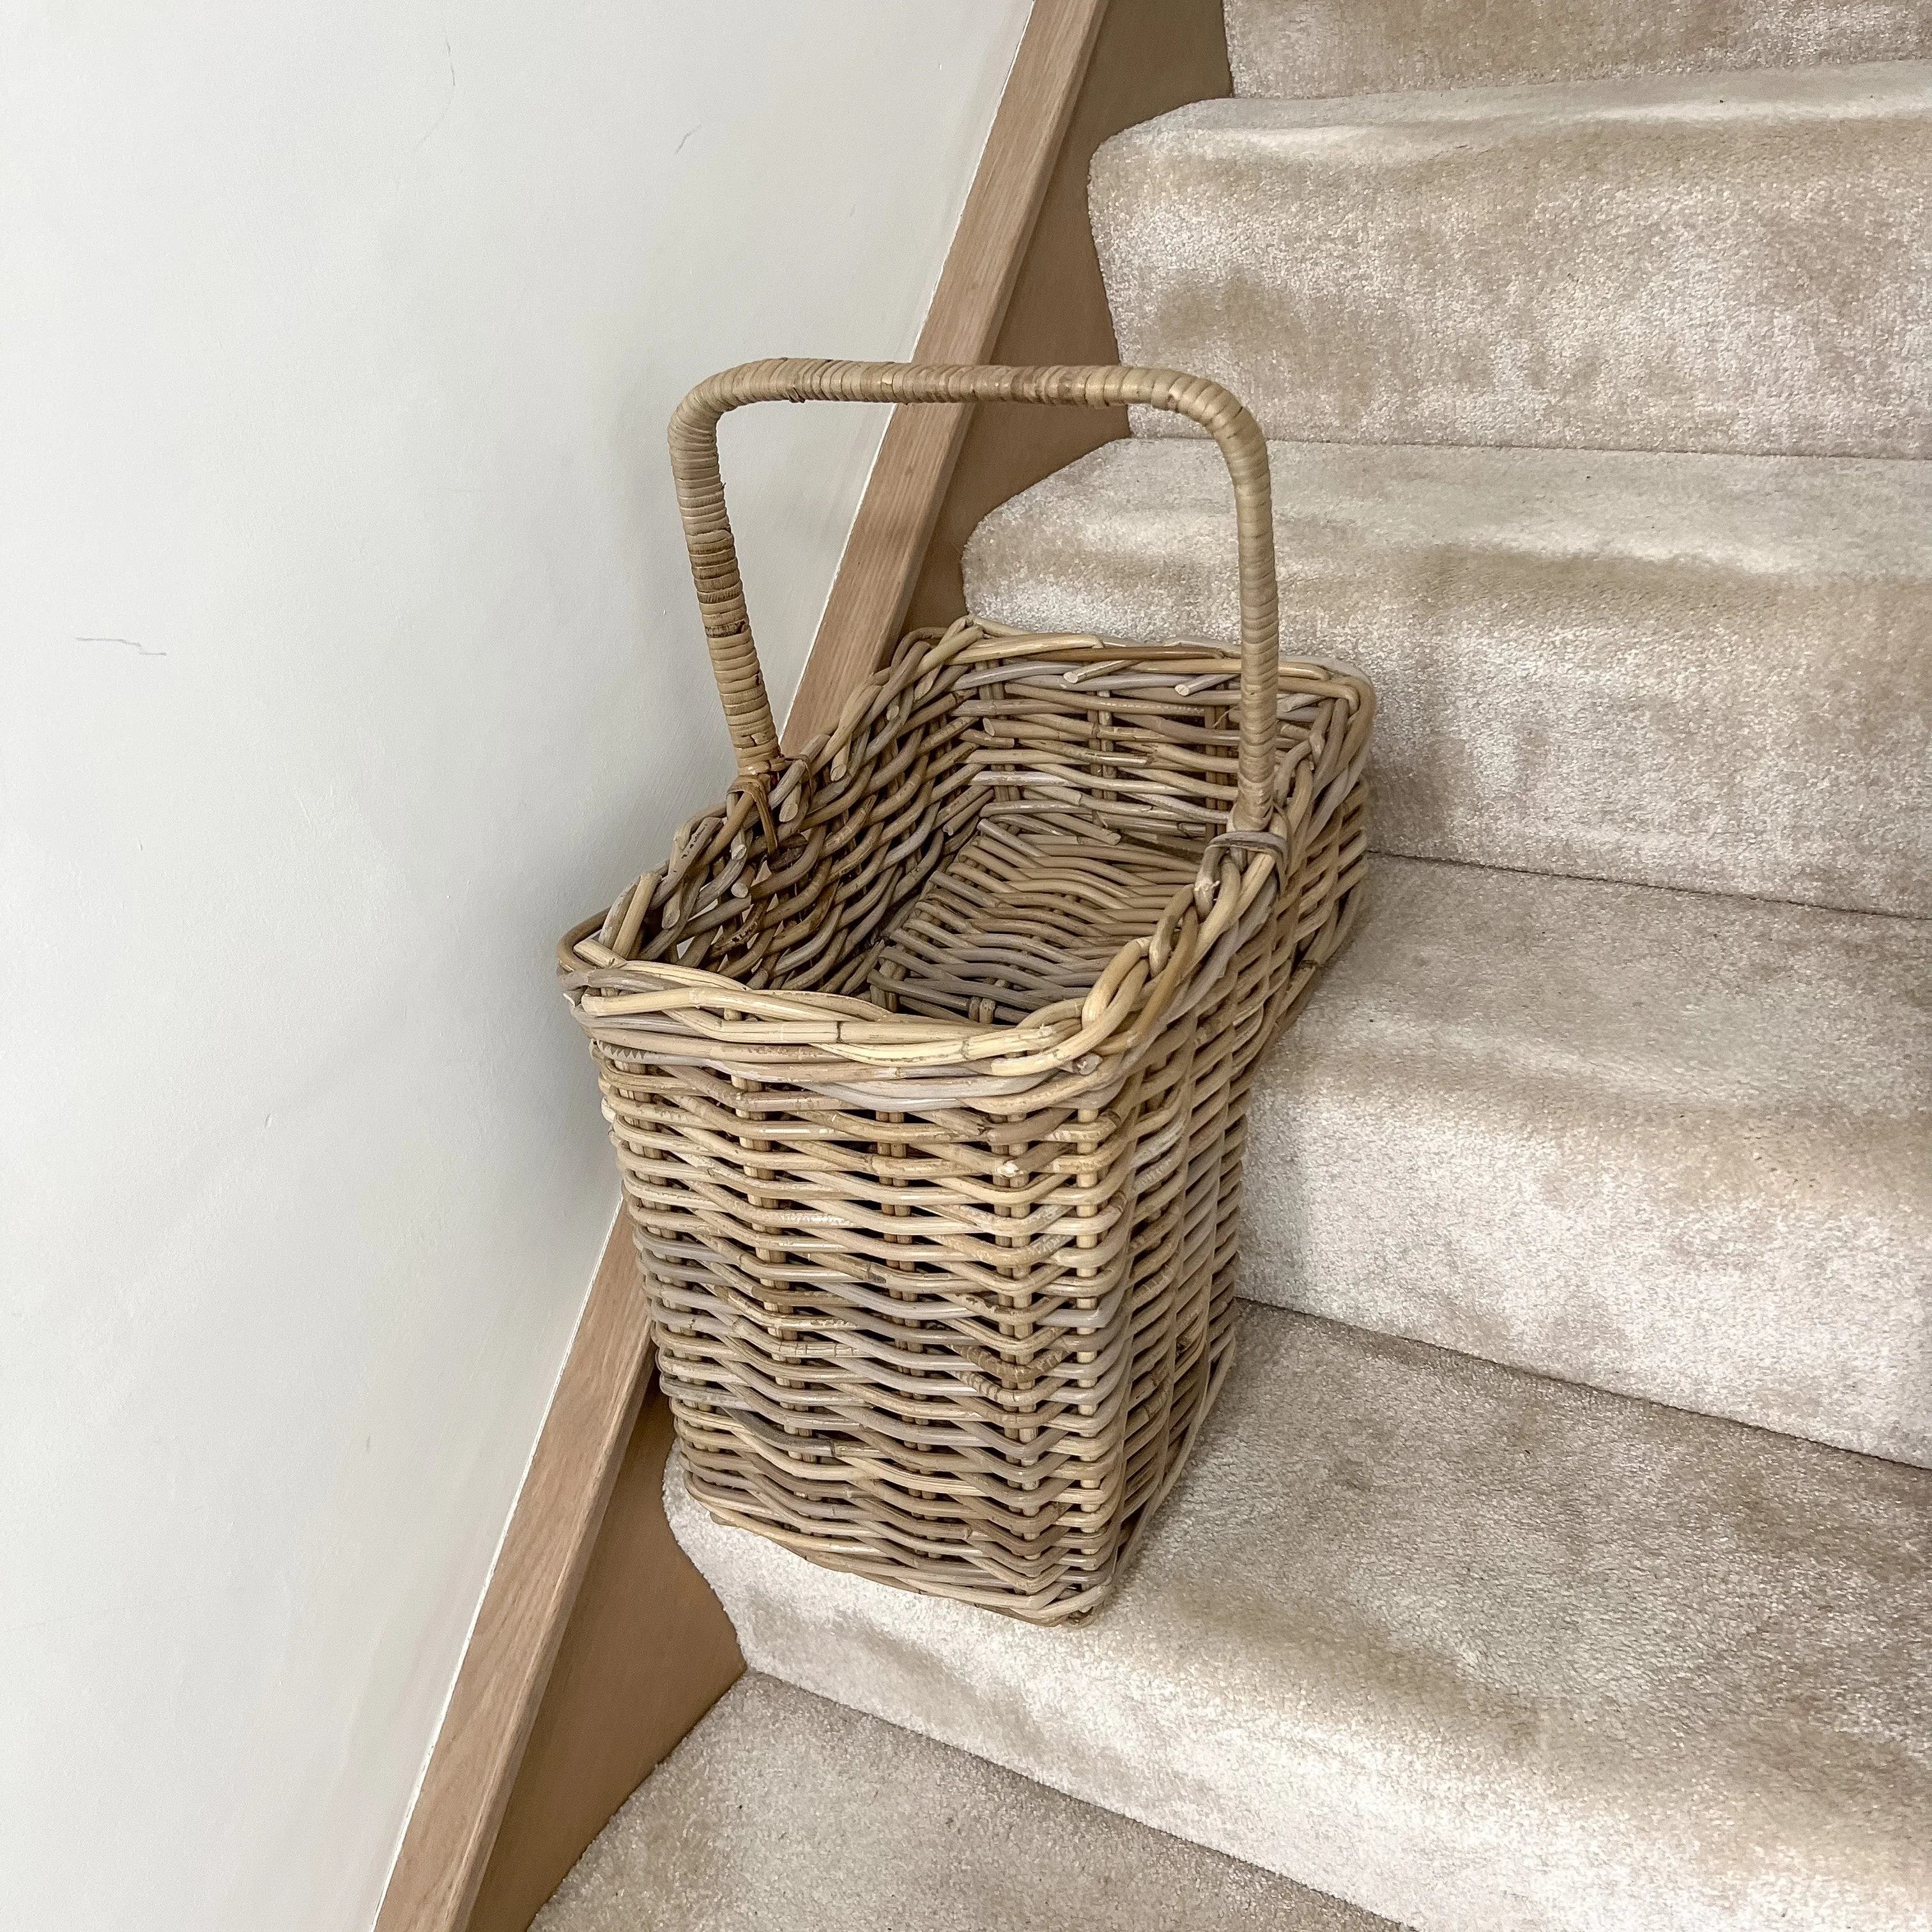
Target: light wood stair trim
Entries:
(532, 1586)
(647, 1651)
(1021, 284)
(861, 618)
(1151, 56)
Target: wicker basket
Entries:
(926, 1053)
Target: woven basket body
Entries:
(926, 1053)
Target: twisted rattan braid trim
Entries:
(753, 953)
(714, 555)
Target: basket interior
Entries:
(992, 837)
(1020, 916)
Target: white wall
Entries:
(349, 655)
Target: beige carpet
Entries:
(1601, 380)
(1666, 1143)
(783, 1812)
(1675, 262)
(1368, 46)
(1477, 1651)
(1700, 671)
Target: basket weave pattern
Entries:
(926, 1053)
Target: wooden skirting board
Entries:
(597, 1645)
(648, 1651)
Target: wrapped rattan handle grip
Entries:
(714, 557)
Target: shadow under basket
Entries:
(926, 1055)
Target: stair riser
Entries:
(1588, 1130)
(1742, 1283)
(1675, 277)
(1305, 47)
(1712, 719)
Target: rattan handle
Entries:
(714, 557)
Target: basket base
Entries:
(1022, 916)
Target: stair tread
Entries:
(1357, 46)
(782, 1812)
(1670, 1144)
(1657, 261)
(1462, 1645)
(1694, 670)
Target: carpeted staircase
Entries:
(1558, 1555)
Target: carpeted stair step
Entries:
(1303, 47)
(1733, 262)
(1697, 671)
(1479, 1650)
(783, 1812)
(1665, 1143)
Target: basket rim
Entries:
(644, 1005)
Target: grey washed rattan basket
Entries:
(926, 1053)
